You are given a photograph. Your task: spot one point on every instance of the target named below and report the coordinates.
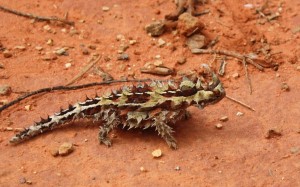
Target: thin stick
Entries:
(39, 18)
(232, 54)
(247, 75)
(239, 102)
(84, 70)
(222, 67)
(55, 88)
(105, 76)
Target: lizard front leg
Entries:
(164, 130)
(110, 122)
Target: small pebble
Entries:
(248, 6)
(298, 68)
(63, 30)
(196, 41)
(143, 169)
(7, 54)
(161, 42)
(9, 129)
(177, 168)
(123, 47)
(157, 153)
(3, 102)
(158, 63)
(47, 28)
(155, 29)
(224, 118)
(27, 107)
(49, 42)
(157, 57)
(285, 87)
(68, 65)
(239, 113)
(28, 182)
(188, 24)
(73, 31)
(120, 37)
(132, 42)
(61, 51)
(105, 8)
(235, 75)
(39, 48)
(49, 57)
(65, 149)
(219, 126)
(273, 132)
(123, 56)
(181, 60)
(5, 90)
(21, 48)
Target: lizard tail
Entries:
(89, 108)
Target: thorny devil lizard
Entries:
(139, 106)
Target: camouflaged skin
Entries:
(156, 105)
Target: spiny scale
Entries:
(139, 106)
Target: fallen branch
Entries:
(38, 18)
(67, 88)
(239, 102)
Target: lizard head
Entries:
(206, 84)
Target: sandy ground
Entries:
(236, 155)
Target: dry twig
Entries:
(239, 102)
(247, 75)
(39, 18)
(84, 70)
(243, 58)
(239, 56)
(157, 70)
(56, 88)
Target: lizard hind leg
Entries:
(103, 133)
